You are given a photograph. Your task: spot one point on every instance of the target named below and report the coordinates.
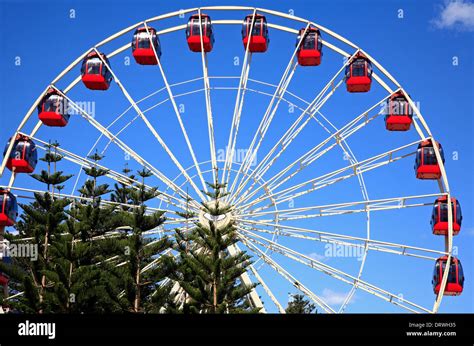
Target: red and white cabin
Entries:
(95, 74)
(399, 113)
(359, 74)
(426, 164)
(439, 217)
(455, 283)
(23, 156)
(310, 50)
(8, 208)
(193, 33)
(142, 50)
(259, 39)
(53, 109)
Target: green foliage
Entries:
(206, 271)
(147, 266)
(41, 223)
(300, 305)
(95, 254)
(55, 178)
(217, 191)
(122, 190)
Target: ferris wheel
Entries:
(280, 197)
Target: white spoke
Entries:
(89, 199)
(207, 92)
(346, 208)
(118, 177)
(269, 113)
(20, 127)
(188, 93)
(332, 177)
(254, 297)
(150, 127)
(311, 110)
(285, 274)
(205, 172)
(313, 154)
(339, 239)
(335, 273)
(175, 108)
(124, 127)
(349, 154)
(267, 289)
(124, 147)
(239, 101)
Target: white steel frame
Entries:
(250, 225)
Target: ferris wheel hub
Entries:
(210, 214)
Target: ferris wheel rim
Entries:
(443, 183)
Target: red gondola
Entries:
(141, 48)
(455, 283)
(359, 74)
(399, 113)
(8, 208)
(439, 217)
(95, 75)
(193, 33)
(426, 164)
(310, 50)
(23, 156)
(53, 109)
(260, 39)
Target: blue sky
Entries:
(418, 50)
